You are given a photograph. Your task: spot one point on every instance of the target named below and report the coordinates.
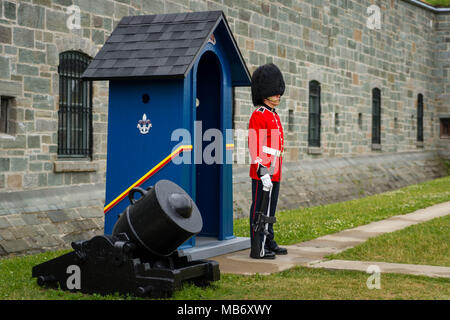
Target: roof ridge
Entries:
(171, 22)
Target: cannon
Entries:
(140, 257)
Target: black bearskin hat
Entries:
(267, 81)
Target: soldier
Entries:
(265, 141)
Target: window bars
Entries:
(314, 114)
(376, 116)
(420, 117)
(75, 106)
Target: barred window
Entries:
(314, 114)
(4, 111)
(376, 116)
(420, 117)
(7, 115)
(75, 106)
(445, 128)
(290, 120)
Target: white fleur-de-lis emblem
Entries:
(144, 124)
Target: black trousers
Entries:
(257, 189)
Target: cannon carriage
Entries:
(140, 257)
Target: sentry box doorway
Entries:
(170, 105)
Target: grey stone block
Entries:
(31, 56)
(52, 55)
(98, 36)
(4, 164)
(72, 237)
(30, 219)
(44, 102)
(56, 21)
(24, 232)
(31, 16)
(34, 142)
(103, 7)
(9, 10)
(55, 179)
(65, 3)
(19, 164)
(26, 70)
(46, 125)
(58, 216)
(6, 234)
(13, 246)
(91, 212)
(4, 223)
(34, 84)
(23, 37)
(16, 220)
(46, 241)
(81, 177)
(5, 35)
(5, 68)
(35, 166)
(50, 229)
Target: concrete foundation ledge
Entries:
(75, 166)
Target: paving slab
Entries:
(311, 252)
(241, 263)
(422, 215)
(385, 267)
(387, 225)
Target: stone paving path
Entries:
(384, 267)
(311, 253)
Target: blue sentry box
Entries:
(145, 110)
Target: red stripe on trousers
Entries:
(254, 207)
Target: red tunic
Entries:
(265, 143)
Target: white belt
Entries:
(271, 151)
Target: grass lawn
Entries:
(304, 224)
(425, 243)
(438, 3)
(297, 283)
(303, 284)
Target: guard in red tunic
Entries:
(265, 143)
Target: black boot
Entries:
(267, 255)
(255, 250)
(278, 250)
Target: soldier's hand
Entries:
(267, 182)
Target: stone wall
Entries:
(33, 33)
(322, 40)
(45, 219)
(442, 35)
(329, 41)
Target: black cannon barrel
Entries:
(162, 219)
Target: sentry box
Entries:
(170, 116)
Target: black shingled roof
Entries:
(155, 46)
